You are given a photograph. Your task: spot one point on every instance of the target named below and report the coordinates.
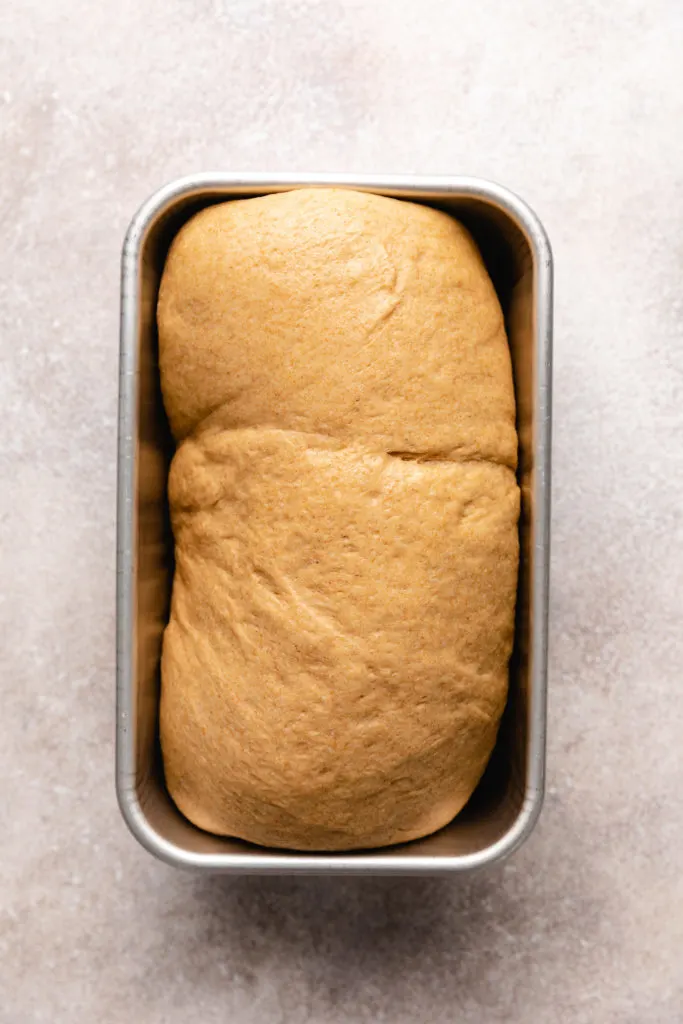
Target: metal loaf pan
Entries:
(504, 809)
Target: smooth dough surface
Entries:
(344, 505)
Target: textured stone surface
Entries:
(577, 106)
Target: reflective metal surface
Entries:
(504, 809)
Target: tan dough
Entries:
(344, 504)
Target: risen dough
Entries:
(344, 504)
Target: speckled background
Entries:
(576, 105)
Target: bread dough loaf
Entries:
(344, 504)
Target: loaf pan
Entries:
(506, 805)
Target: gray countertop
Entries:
(578, 106)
